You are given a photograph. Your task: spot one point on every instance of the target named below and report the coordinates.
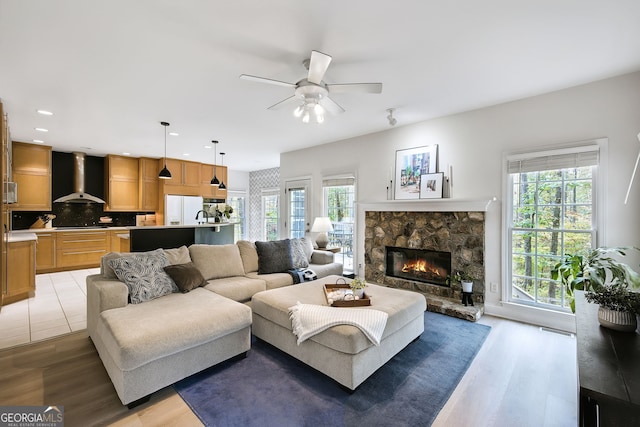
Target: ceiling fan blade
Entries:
(318, 65)
(331, 106)
(265, 80)
(291, 101)
(355, 88)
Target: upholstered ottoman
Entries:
(342, 352)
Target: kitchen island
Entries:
(70, 248)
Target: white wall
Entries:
(474, 142)
(238, 181)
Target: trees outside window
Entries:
(339, 206)
(552, 212)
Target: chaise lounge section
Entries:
(148, 345)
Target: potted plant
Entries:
(618, 306)
(466, 281)
(357, 285)
(593, 271)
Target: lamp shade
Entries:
(321, 224)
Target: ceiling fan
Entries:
(311, 93)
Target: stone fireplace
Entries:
(454, 241)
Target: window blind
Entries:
(337, 182)
(552, 160)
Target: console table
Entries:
(608, 370)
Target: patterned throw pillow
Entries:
(186, 276)
(274, 257)
(298, 255)
(144, 275)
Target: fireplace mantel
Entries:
(430, 205)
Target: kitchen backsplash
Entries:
(74, 215)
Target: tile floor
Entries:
(59, 307)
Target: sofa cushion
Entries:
(144, 275)
(249, 256)
(273, 280)
(217, 261)
(307, 246)
(274, 256)
(237, 288)
(138, 334)
(186, 276)
(178, 255)
(298, 255)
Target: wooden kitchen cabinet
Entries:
(31, 170)
(206, 172)
(185, 178)
(45, 252)
(121, 183)
(21, 283)
(148, 170)
(81, 248)
(119, 240)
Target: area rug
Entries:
(271, 388)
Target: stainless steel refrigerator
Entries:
(181, 210)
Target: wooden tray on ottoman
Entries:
(331, 287)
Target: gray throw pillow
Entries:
(298, 255)
(274, 257)
(144, 275)
(186, 276)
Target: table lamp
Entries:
(322, 225)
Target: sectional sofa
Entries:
(149, 339)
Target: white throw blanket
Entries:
(308, 320)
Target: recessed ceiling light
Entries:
(45, 112)
(126, 154)
(42, 129)
(173, 134)
(185, 154)
(208, 147)
(38, 141)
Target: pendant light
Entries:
(222, 186)
(164, 173)
(214, 181)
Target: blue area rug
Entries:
(271, 388)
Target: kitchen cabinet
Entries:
(185, 178)
(121, 183)
(4, 208)
(21, 283)
(81, 248)
(45, 252)
(119, 240)
(31, 170)
(148, 186)
(206, 172)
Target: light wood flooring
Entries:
(522, 376)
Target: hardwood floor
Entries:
(521, 377)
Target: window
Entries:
(552, 211)
(297, 195)
(339, 206)
(236, 200)
(270, 202)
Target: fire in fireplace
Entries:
(422, 265)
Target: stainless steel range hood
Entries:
(78, 196)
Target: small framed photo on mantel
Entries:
(431, 185)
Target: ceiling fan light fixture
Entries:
(306, 117)
(298, 111)
(165, 173)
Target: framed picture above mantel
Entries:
(411, 165)
(431, 185)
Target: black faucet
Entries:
(205, 214)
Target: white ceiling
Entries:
(112, 70)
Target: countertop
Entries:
(118, 228)
(21, 237)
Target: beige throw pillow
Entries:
(217, 261)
